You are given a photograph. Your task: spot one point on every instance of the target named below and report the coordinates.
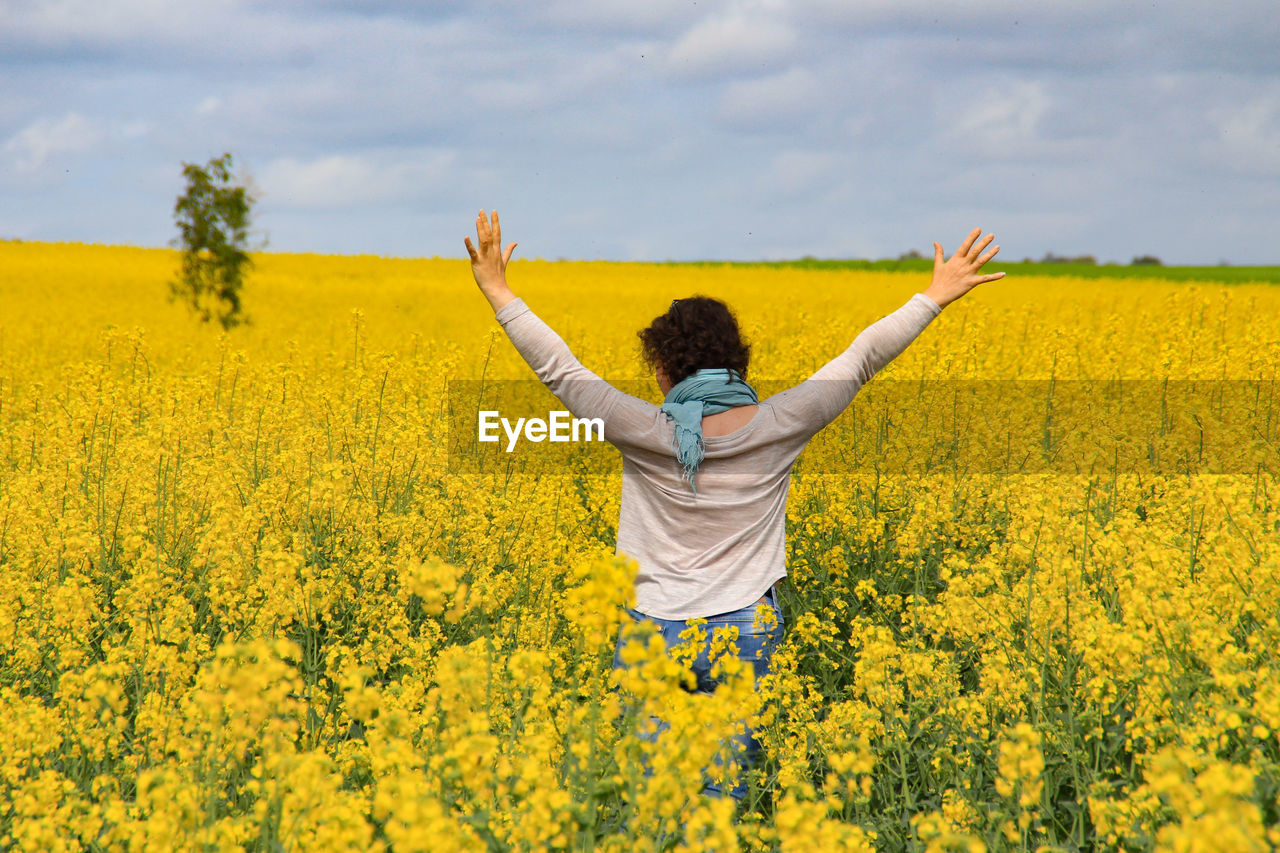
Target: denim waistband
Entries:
(744, 615)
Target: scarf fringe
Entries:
(691, 455)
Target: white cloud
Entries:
(622, 16)
(746, 37)
(800, 173)
(1250, 135)
(970, 14)
(130, 130)
(345, 180)
(999, 122)
(81, 24)
(28, 150)
(767, 100)
(196, 37)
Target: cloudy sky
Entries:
(656, 129)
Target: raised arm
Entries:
(817, 401)
(584, 393)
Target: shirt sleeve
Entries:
(808, 407)
(584, 394)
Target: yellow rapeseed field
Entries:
(248, 600)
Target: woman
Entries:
(705, 476)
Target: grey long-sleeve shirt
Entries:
(722, 549)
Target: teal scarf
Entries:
(706, 392)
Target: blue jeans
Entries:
(751, 640)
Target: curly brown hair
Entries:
(696, 333)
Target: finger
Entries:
(993, 277)
(964, 247)
(937, 255)
(988, 256)
(471, 250)
(507, 255)
(978, 247)
(482, 229)
(497, 231)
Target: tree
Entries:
(213, 218)
(1051, 258)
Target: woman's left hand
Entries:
(962, 271)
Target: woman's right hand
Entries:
(489, 262)
(961, 273)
